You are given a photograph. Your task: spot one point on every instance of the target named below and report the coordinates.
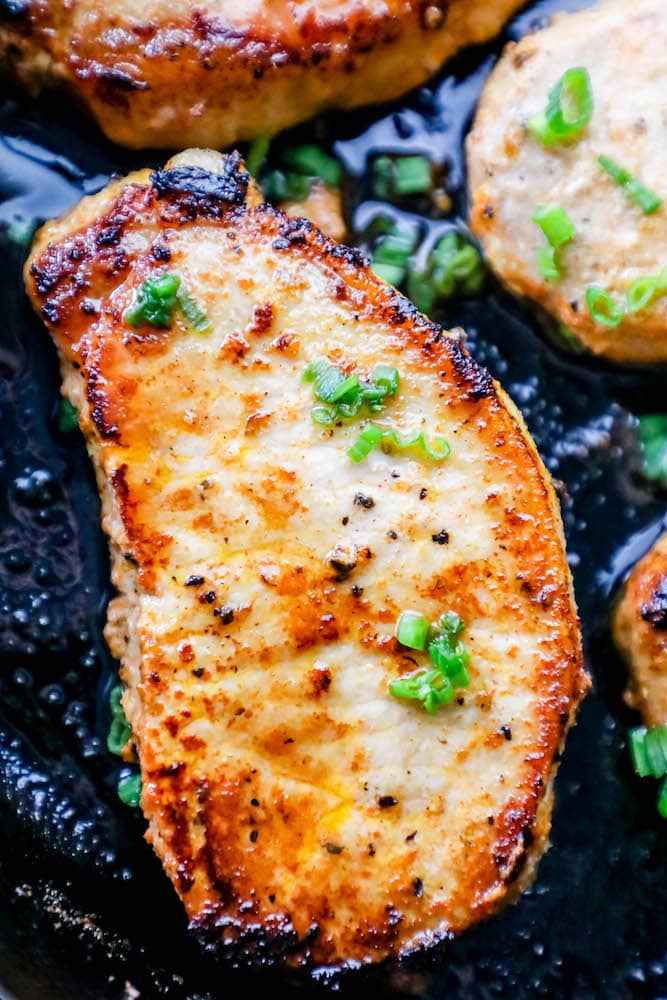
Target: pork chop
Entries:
(179, 73)
(303, 812)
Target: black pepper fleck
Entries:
(442, 537)
(194, 581)
(418, 888)
(507, 732)
(387, 801)
(362, 500)
(254, 834)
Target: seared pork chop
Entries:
(218, 71)
(622, 45)
(301, 810)
(640, 631)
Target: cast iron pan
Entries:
(85, 910)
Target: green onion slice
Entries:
(194, 314)
(346, 396)
(653, 440)
(431, 688)
(602, 307)
(568, 111)
(129, 790)
(257, 153)
(555, 223)
(367, 440)
(119, 731)
(399, 176)
(68, 418)
(393, 274)
(648, 748)
(647, 200)
(662, 800)
(546, 264)
(311, 161)
(644, 290)
(412, 630)
(155, 302)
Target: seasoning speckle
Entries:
(362, 500)
(442, 537)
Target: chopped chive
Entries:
(546, 263)
(555, 223)
(559, 230)
(279, 185)
(365, 443)
(257, 153)
(119, 730)
(602, 307)
(647, 200)
(644, 290)
(648, 748)
(194, 314)
(653, 441)
(399, 176)
(68, 418)
(393, 274)
(568, 111)
(155, 302)
(346, 397)
(438, 448)
(129, 790)
(640, 762)
(430, 687)
(412, 630)
(311, 161)
(662, 800)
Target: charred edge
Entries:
(655, 610)
(477, 379)
(200, 193)
(97, 402)
(114, 79)
(252, 944)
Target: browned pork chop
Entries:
(219, 71)
(298, 808)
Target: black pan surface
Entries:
(85, 911)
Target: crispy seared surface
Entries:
(623, 44)
(300, 811)
(218, 71)
(640, 631)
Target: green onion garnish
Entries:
(648, 748)
(644, 290)
(546, 263)
(345, 397)
(257, 153)
(68, 418)
(119, 731)
(437, 449)
(156, 300)
(430, 687)
(433, 687)
(395, 177)
(311, 161)
(555, 223)
(559, 230)
(277, 185)
(129, 790)
(412, 630)
(194, 314)
(393, 274)
(648, 201)
(363, 446)
(662, 800)
(602, 307)
(653, 440)
(568, 111)
(392, 254)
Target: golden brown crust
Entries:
(247, 789)
(640, 632)
(211, 74)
